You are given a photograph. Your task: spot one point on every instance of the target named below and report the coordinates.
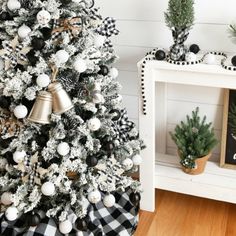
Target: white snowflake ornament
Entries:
(43, 17)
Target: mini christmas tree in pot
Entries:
(179, 18)
(195, 140)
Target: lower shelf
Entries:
(215, 183)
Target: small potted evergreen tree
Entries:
(179, 18)
(195, 140)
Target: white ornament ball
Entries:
(137, 160)
(11, 213)
(6, 198)
(20, 111)
(114, 73)
(13, 5)
(128, 164)
(43, 80)
(63, 148)
(24, 31)
(65, 227)
(62, 56)
(210, 59)
(99, 40)
(48, 189)
(19, 156)
(94, 124)
(94, 196)
(190, 57)
(109, 200)
(80, 65)
(43, 17)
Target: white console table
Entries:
(162, 171)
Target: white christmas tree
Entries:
(66, 143)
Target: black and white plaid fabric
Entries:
(93, 13)
(119, 220)
(178, 49)
(108, 28)
(122, 126)
(13, 55)
(59, 24)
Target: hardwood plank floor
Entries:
(183, 215)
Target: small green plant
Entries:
(180, 14)
(194, 138)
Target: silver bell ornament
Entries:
(42, 108)
(61, 100)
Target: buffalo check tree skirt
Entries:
(120, 220)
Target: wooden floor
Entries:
(183, 215)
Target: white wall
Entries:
(142, 28)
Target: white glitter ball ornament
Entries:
(13, 5)
(6, 198)
(20, 111)
(62, 56)
(114, 73)
(128, 164)
(19, 156)
(11, 213)
(63, 148)
(190, 57)
(94, 124)
(43, 17)
(65, 227)
(48, 189)
(109, 200)
(94, 196)
(137, 160)
(80, 65)
(24, 31)
(43, 80)
(210, 59)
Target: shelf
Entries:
(215, 183)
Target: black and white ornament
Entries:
(135, 198)
(19, 156)
(12, 213)
(109, 200)
(137, 160)
(190, 57)
(194, 48)
(91, 161)
(13, 5)
(104, 70)
(82, 224)
(37, 43)
(65, 227)
(5, 102)
(6, 198)
(160, 55)
(43, 17)
(63, 149)
(48, 189)
(94, 196)
(24, 31)
(80, 65)
(94, 124)
(20, 111)
(210, 59)
(128, 164)
(43, 80)
(233, 60)
(114, 73)
(62, 56)
(34, 219)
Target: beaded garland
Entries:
(151, 56)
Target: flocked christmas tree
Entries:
(179, 18)
(66, 142)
